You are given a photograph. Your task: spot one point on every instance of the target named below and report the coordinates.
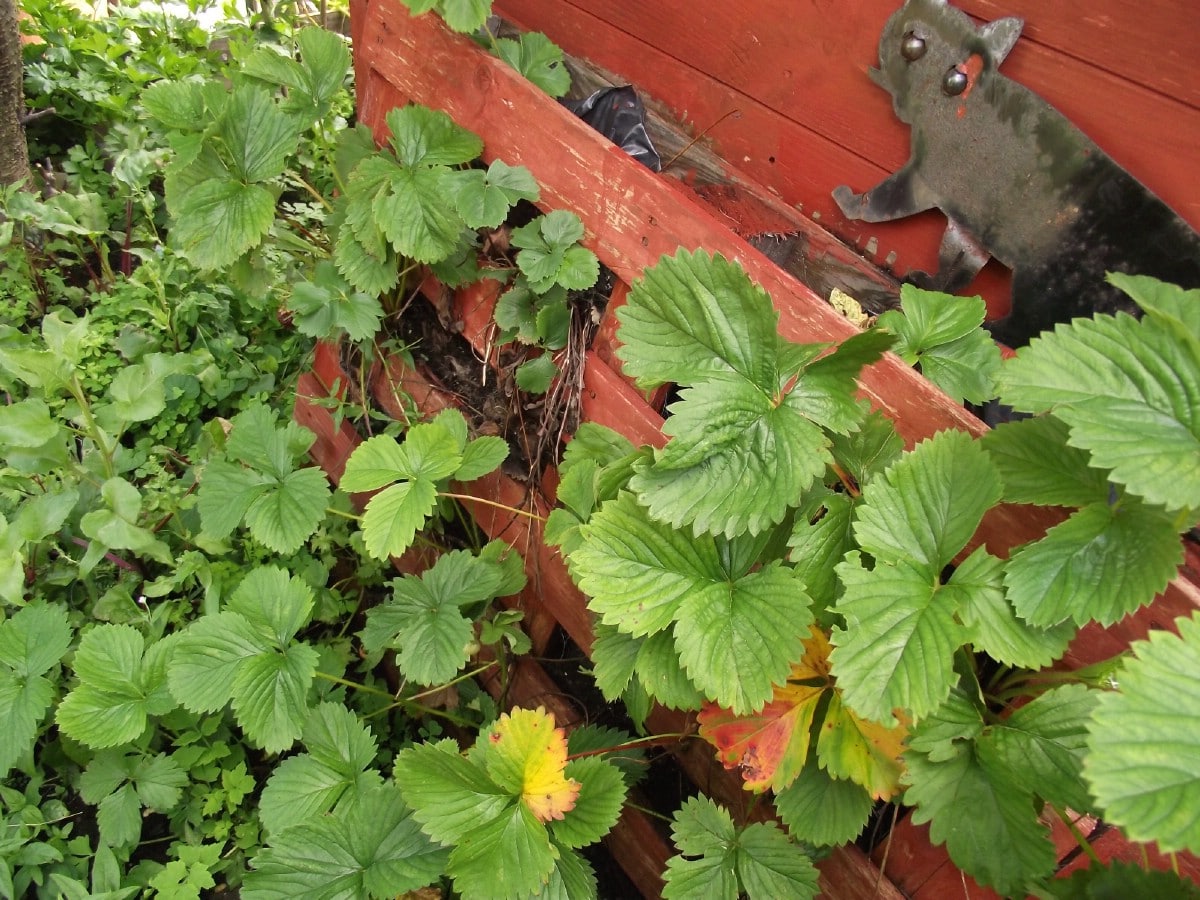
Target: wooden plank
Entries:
(633, 217)
(848, 874)
(922, 870)
(635, 843)
(1147, 42)
(639, 849)
(781, 89)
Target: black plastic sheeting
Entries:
(618, 114)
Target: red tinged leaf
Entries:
(770, 746)
(529, 755)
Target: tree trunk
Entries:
(14, 153)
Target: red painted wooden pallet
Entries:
(780, 89)
(632, 218)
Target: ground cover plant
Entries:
(787, 570)
(213, 679)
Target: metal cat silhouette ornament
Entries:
(1016, 180)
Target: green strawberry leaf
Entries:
(1129, 391)
(1046, 740)
(415, 217)
(280, 504)
(245, 655)
(536, 375)
(736, 462)
(941, 334)
(984, 813)
(207, 657)
(465, 16)
(614, 658)
(1101, 564)
(822, 810)
(430, 453)
(736, 633)
(992, 625)
(1117, 879)
(738, 641)
(450, 795)
(219, 220)
(758, 861)
(423, 619)
(120, 686)
(598, 806)
(328, 305)
(897, 649)
(32, 641)
(925, 507)
(480, 457)
(951, 730)
(1037, 466)
(371, 848)
(257, 135)
(550, 255)
(1143, 759)
(514, 836)
(427, 137)
(660, 672)
(537, 58)
(691, 316)
(270, 695)
(484, 198)
(1167, 303)
(770, 865)
(285, 515)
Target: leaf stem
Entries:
(512, 509)
(366, 689)
(463, 677)
(1080, 838)
(302, 183)
(397, 703)
(106, 453)
(648, 812)
(353, 517)
(652, 740)
(847, 481)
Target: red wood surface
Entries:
(633, 217)
(780, 88)
(922, 870)
(1146, 42)
(552, 597)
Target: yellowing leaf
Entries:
(857, 750)
(527, 755)
(770, 746)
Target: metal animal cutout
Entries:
(1015, 178)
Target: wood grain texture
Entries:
(780, 88)
(1147, 42)
(633, 217)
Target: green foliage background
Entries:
(210, 678)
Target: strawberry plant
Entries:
(535, 309)
(514, 810)
(411, 472)
(755, 860)
(813, 590)
(201, 650)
